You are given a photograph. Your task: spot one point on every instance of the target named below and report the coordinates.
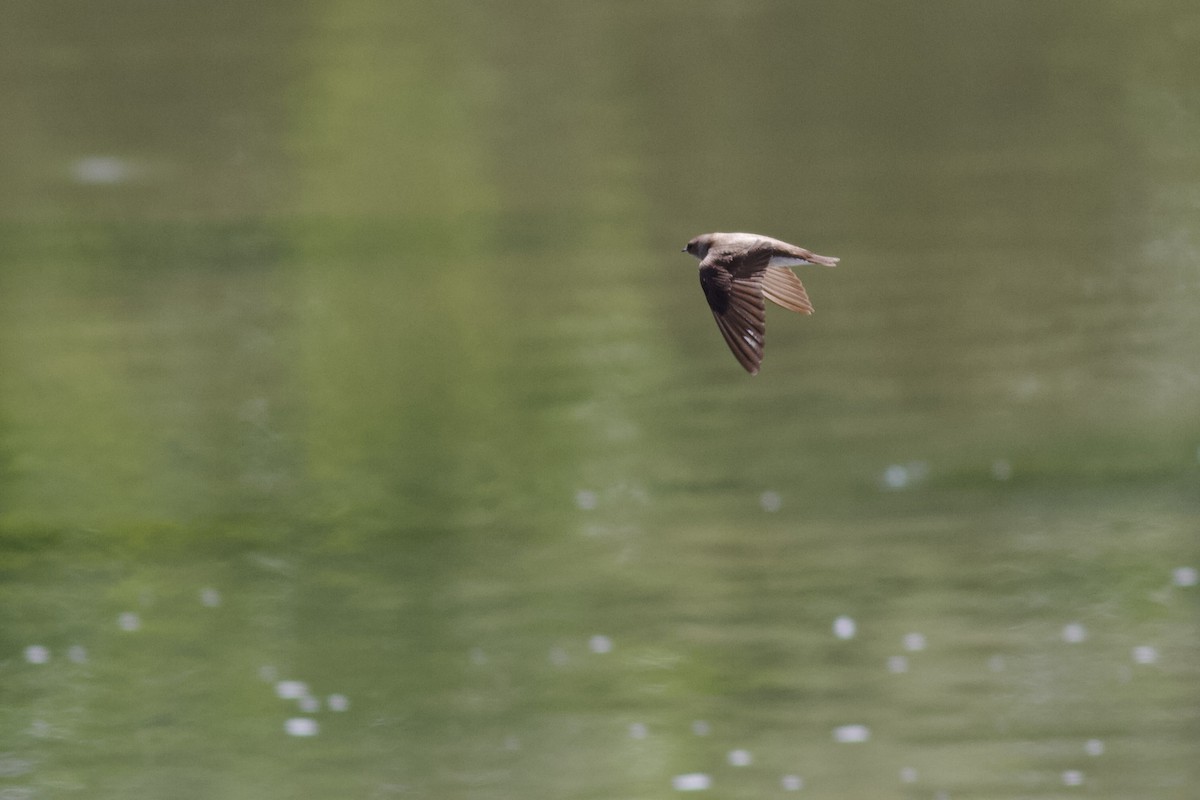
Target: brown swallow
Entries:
(737, 270)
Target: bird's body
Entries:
(739, 270)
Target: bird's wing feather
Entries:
(737, 305)
(783, 288)
(745, 262)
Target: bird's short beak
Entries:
(683, 250)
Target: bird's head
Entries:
(699, 246)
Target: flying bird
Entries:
(738, 270)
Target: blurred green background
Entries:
(364, 433)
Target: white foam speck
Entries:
(37, 654)
(210, 597)
(903, 476)
(740, 758)
(129, 621)
(1145, 654)
(691, 782)
(301, 726)
(1072, 777)
(914, 642)
(638, 731)
(701, 728)
(1184, 576)
(1074, 633)
(791, 783)
(100, 170)
(291, 690)
(600, 644)
(908, 775)
(844, 627)
(895, 477)
(337, 702)
(1093, 747)
(897, 664)
(770, 501)
(851, 734)
(77, 653)
(585, 499)
(1001, 469)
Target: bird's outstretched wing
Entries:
(737, 304)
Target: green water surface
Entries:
(364, 433)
